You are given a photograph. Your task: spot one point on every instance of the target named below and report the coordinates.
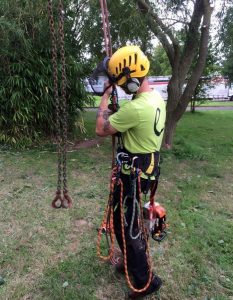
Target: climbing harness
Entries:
(62, 198)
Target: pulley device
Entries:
(155, 220)
(62, 198)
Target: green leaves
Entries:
(160, 65)
(226, 38)
(26, 80)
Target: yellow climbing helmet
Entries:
(130, 57)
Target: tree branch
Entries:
(160, 30)
(191, 44)
(176, 21)
(198, 69)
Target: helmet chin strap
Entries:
(125, 72)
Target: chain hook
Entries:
(57, 201)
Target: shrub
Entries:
(26, 84)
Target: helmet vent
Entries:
(130, 60)
(142, 68)
(116, 70)
(135, 58)
(124, 63)
(120, 67)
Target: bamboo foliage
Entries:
(26, 88)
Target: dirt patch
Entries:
(85, 144)
(78, 228)
(80, 225)
(73, 247)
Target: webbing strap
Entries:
(153, 190)
(152, 165)
(108, 50)
(106, 28)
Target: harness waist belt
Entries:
(148, 162)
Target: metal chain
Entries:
(55, 91)
(63, 93)
(60, 108)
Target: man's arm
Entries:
(103, 126)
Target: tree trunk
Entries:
(174, 93)
(170, 129)
(192, 105)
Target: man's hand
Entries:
(103, 126)
(108, 87)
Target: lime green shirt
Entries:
(141, 122)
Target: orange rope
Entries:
(124, 242)
(108, 214)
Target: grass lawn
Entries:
(51, 254)
(217, 103)
(96, 102)
(97, 99)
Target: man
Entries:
(141, 124)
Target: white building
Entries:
(217, 87)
